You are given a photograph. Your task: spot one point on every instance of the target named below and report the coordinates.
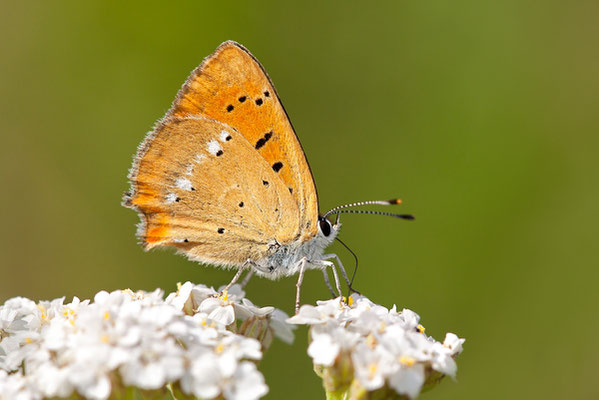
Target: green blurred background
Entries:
(482, 116)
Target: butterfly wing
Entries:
(201, 187)
(232, 87)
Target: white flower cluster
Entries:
(127, 339)
(364, 347)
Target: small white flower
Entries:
(408, 319)
(307, 315)
(280, 327)
(453, 343)
(323, 312)
(219, 309)
(247, 383)
(17, 348)
(202, 378)
(210, 376)
(372, 365)
(8, 317)
(252, 310)
(408, 380)
(153, 364)
(323, 350)
(442, 360)
(181, 298)
(200, 293)
(223, 307)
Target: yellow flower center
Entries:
(371, 341)
(382, 327)
(42, 309)
(224, 296)
(407, 361)
(372, 370)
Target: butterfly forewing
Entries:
(232, 87)
(200, 186)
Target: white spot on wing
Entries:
(189, 169)
(223, 136)
(176, 240)
(170, 198)
(214, 147)
(183, 183)
(199, 158)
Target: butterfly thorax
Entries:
(285, 260)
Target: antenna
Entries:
(387, 214)
(342, 209)
(391, 202)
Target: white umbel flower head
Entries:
(127, 339)
(360, 347)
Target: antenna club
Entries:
(395, 201)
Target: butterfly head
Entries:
(328, 229)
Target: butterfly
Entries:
(223, 178)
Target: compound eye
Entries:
(325, 226)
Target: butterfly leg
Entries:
(327, 264)
(300, 279)
(345, 277)
(326, 280)
(247, 278)
(334, 269)
(237, 275)
(335, 276)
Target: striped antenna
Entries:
(388, 214)
(391, 202)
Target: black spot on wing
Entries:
(259, 102)
(277, 166)
(221, 230)
(219, 153)
(230, 108)
(262, 141)
(242, 99)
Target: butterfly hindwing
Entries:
(201, 187)
(232, 87)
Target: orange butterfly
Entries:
(224, 180)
